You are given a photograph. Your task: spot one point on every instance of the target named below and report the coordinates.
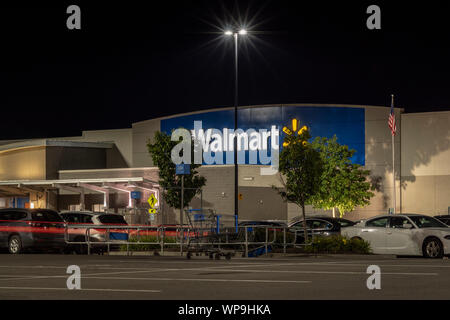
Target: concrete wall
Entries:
(121, 156)
(426, 163)
(66, 158)
(25, 163)
(142, 133)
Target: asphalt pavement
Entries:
(43, 276)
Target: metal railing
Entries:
(246, 237)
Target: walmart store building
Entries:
(99, 169)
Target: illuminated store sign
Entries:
(214, 146)
(347, 123)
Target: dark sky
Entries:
(131, 62)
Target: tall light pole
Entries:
(236, 34)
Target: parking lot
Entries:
(42, 276)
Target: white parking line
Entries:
(65, 289)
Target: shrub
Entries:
(338, 244)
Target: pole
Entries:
(236, 205)
(181, 214)
(393, 162)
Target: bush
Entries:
(338, 244)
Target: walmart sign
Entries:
(347, 123)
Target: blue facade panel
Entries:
(348, 124)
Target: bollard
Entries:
(89, 241)
(246, 243)
(267, 239)
(284, 240)
(128, 242)
(107, 238)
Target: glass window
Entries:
(85, 218)
(300, 224)
(320, 224)
(346, 223)
(398, 222)
(427, 222)
(46, 215)
(4, 217)
(12, 215)
(18, 215)
(112, 218)
(378, 222)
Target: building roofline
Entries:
(34, 143)
(326, 105)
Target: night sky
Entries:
(131, 62)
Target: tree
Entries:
(301, 166)
(343, 184)
(160, 151)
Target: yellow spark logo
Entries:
(295, 125)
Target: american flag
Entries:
(391, 121)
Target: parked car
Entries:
(27, 229)
(404, 234)
(97, 236)
(445, 219)
(319, 226)
(257, 223)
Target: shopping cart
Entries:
(209, 235)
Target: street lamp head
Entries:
(242, 32)
(228, 33)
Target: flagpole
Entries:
(393, 162)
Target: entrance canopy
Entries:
(38, 189)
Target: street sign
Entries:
(183, 168)
(152, 202)
(135, 194)
(152, 217)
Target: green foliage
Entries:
(160, 151)
(343, 185)
(301, 167)
(338, 244)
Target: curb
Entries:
(269, 256)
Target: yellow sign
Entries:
(295, 125)
(240, 196)
(152, 201)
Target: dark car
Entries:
(26, 229)
(97, 235)
(319, 226)
(444, 218)
(255, 223)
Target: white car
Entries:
(403, 234)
